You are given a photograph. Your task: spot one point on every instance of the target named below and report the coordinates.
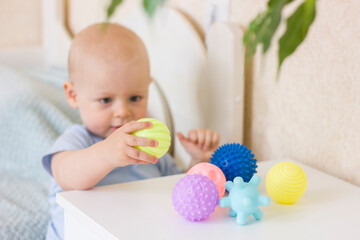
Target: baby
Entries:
(109, 76)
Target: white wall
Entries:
(20, 23)
(312, 114)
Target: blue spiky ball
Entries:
(235, 160)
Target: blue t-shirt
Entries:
(78, 137)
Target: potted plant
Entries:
(263, 27)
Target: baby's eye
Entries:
(135, 98)
(105, 100)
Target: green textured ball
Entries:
(159, 132)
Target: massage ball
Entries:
(244, 199)
(235, 160)
(213, 172)
(159, 132)
(195, 197)
(286, 182)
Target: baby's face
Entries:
(110, 96)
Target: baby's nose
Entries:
(121, 110)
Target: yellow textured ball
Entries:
(159, 132)
(286, 182)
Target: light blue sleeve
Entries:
(75, 138)
(78, 137)
(167, 166)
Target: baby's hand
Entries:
(119, 146)
(200, 144)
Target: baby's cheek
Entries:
(96, 123)
(140, 114)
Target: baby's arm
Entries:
(83, 169)
(200, 144)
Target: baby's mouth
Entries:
(115, 127)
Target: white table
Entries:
(329, 209)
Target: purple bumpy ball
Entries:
(235, 160)
(195, 197)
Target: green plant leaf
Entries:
(263, 27)
(150, 6)
(296, 30)
(111, 9)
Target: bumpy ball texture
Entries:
(286, 182)
(195, 197)
(160, 132)
(213, 172)
(244, 199)
(235, 160)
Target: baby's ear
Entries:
(70, 94)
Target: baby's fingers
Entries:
(215, 140)
(132, 141)
(201, 135)
(192, 136)
(181, 137)
(132, 161)
(208, 139)
(135, 126)
(137, 154)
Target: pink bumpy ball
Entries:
(195, 197)
(213, 172)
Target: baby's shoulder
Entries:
(79, 135)
(76, 130)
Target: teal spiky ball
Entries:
(235, 160)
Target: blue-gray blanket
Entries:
(33, 113)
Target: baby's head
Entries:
(109, 76)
